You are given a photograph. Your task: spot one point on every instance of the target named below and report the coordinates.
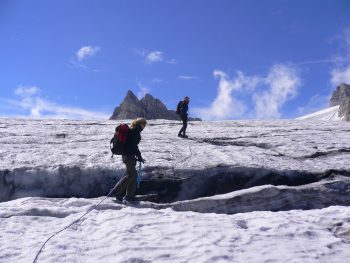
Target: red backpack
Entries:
(179, 108)
(118, 141)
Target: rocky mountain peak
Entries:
(148, 107)
(342, 92)
(130, 95)
(341, 97)
(148, 97)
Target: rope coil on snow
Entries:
(74, 222)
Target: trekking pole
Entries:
(139, 174)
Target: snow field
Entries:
(60, 158)
(115, 233)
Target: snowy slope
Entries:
(115, 233)
(222, 183)
(329, 114)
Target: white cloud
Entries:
(86, 51)
(225, 106)
(282, 82)
(26, 91)
(151, 57)
(143, 90)
(187, 77)
(154, 56)
(268, 94)
(340, 75)
(38, 107)
(341, 72)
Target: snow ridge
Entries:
(329, 114)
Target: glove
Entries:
(140, 159)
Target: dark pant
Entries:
(184, 125)
(129, 180)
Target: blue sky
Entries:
(235, 59)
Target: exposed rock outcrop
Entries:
(155, 109)
(342, 92)
(344, 109)
(148, 107)
(341, 97)
(130, 108)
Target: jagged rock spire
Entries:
(148, 107)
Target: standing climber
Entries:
(182, 111)
(130, 155)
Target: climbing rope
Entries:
(96, 205)
(74, 222)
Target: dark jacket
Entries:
(184, 108)
(131, 145)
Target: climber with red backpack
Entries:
(125, 142)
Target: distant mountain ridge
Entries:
(339, 106)
(148, 107)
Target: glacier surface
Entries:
(236, 191)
